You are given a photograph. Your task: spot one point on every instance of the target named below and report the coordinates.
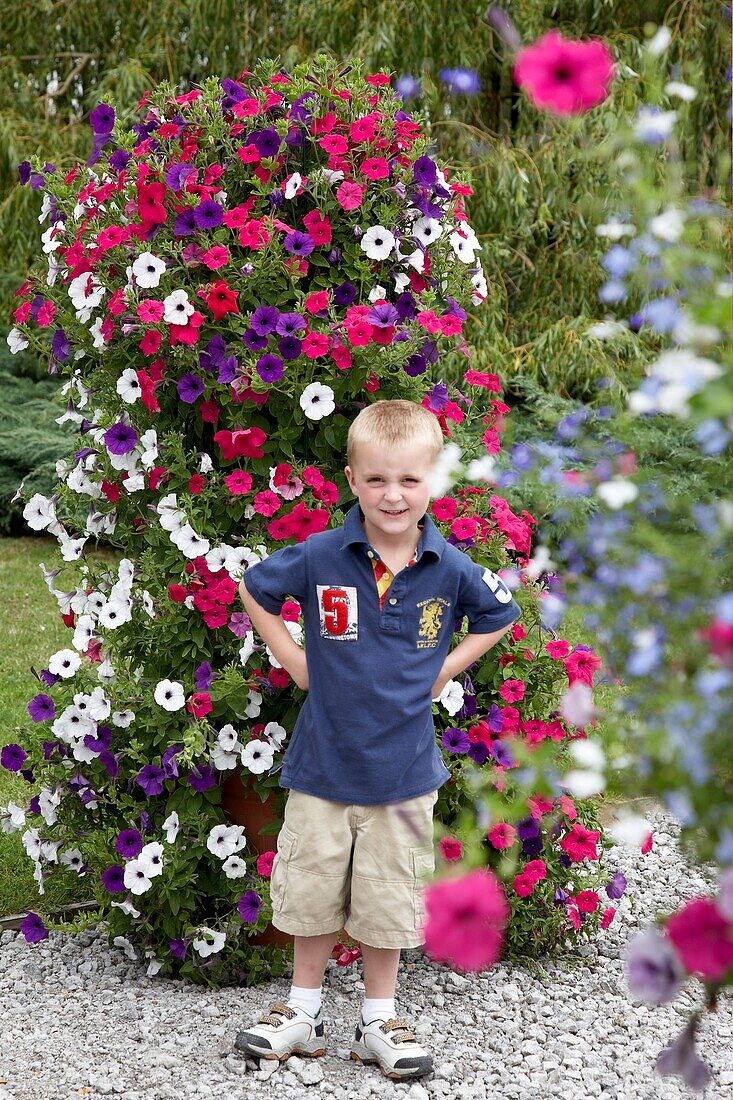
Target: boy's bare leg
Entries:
(310, 958)
(380, 970)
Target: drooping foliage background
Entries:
(535, 183)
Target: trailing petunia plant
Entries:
(225, 284)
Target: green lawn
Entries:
(31, 625)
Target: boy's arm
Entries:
(275, 634)
(468, 650)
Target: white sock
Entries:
(307, 999)
(375, 1008)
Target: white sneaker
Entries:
(392, 1044)
(282, 1031)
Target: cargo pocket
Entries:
(423, 867)
(278, 878)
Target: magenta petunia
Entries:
(563, 76)
(466, 919)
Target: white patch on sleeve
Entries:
(497, 586)
(338, 611)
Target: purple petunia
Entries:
(102, 119)
(254, 340)
(113, 879)
(33, 928)
(208, 214)
(119, 160)
(24, 172)
(204, 676)
(479, 752)
(190, 387)
(177, 948)
(616, 887)
(266, 142)
(184, 223)
(455, 740)
(264, 319)
(300, 244)
(383, 315)
(41, 707)
(120, 439)
(289, 323)
(415, 364)
(270, 368)
(228, 370)
(129, 843)
(12, 757)
(425, 171)
(502, 755)
(249, 906)
(202, 778)
(168, 762)
(177, 175)
(527, 828)
(290, 347)
(344, 294)
(150, 778)
(60, 346)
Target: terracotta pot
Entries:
(244, 806)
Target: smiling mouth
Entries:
(400, 512)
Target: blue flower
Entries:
(462, 81)
(619, 262)
(407, 86)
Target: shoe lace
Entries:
(403, 1033)
(275, 1014)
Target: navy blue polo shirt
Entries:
(365, 732)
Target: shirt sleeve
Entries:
(486, 600)
(278, 576)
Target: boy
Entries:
(380, 596)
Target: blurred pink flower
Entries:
(702, 938)
(466, 919)
(563, 76)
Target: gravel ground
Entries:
(78, 1019)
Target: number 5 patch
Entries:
(497, 586)
(338, 611)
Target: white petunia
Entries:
(172, 520)
(451, 697)
(169, 695)
(653, 125)
(254, 704)
(629, 828)
(441, 475)
(177, 308)
(376, 294)
(16, 341)
(248, 648)
(481, 288)
(605, 330)
(225, 840)
(210, 943)
(115, 613)
(576, 705)
(148, 269)
(216, 558)
(12, 817)
(189, 543)
(482, 469)
(149, 444)
(95, 331)
(617, 492)
(148, 605)
(222, 759)
(234, 867)
(317, 401)
(99, 706)
(122, 718)
(124, 943)
(615, 229)
(51, 239)
(73, 723)
(39, 512)
(48, 802)
(275, 734)
(539, 563)
(137, 876)
(377, 242)
(583, 784)
(587, 754)
(427, 230)
(668, 225)
(257, 756)
(228, 738)
(31, 841)
(65, 663)
(682, 91)
(83, 632)
(293, 185)
(462, 247)
(127, 908)
(73, 859)
(151, 856)
(86, 293)
(128, 386)
(171, 825)
(658, 44)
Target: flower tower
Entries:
(224, 285)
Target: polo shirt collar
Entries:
(431, 539)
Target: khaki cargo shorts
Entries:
(357, 868)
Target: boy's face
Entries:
(392, 489)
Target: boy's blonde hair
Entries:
(391, 424)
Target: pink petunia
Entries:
(523, 885)
(216, 257)
(315, 345)
(580, 843)
(535, 870)
(512, 690)
(465, 527)
(587, 901)
(479, 378)
(350, 195)
(466, 920)
(702, 938)
(450, 848)
(238, 482)
(444, 508)
(150, 310)
(267, 503)
(502, 835)
(264, 863)
(581, 665)
(563, 76)
(607, 917)
(558, 649)
(375, 168)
